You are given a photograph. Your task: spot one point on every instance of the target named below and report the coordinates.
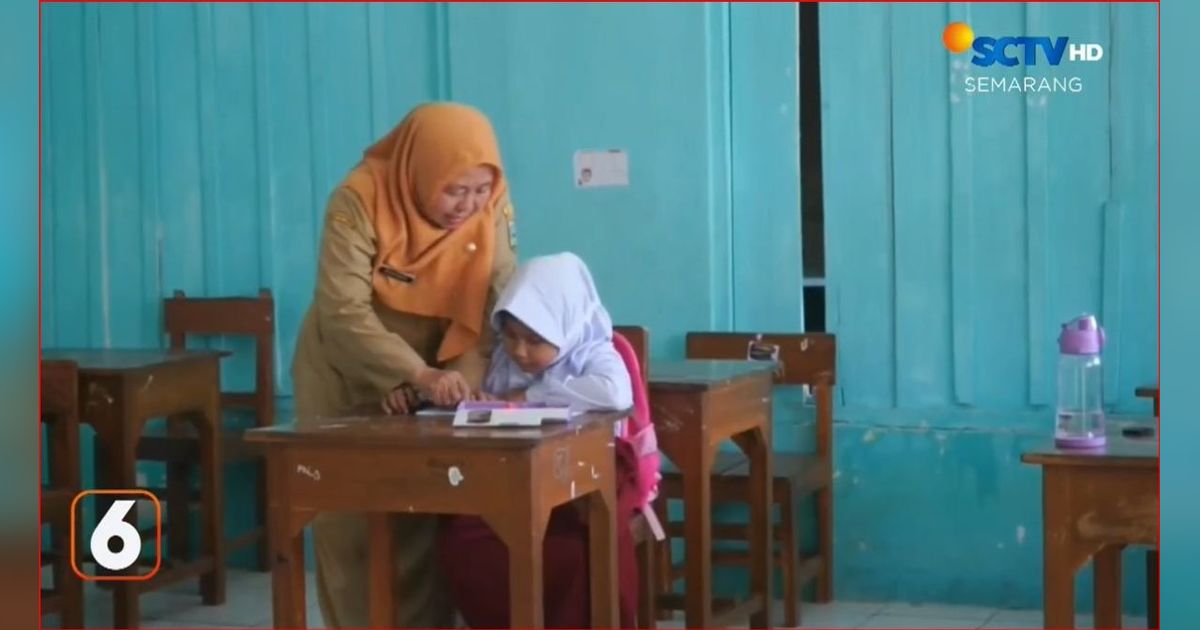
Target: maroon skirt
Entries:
(474, 562)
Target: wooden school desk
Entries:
(119, 390)
(1093, 505)
(381, 465)
(697, 405)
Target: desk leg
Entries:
(381, 560)
(1107, 587)
(179, 491)
(1059, 589)
(120, 463)
(525, 575)
(1059, 553)
(64, 472)
(288, 607)
(212, 584)
(756, 445)
(697, 526)
(602, 560)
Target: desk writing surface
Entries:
(1120, 452)
(424, 431)
(703, 374)
(111, 360)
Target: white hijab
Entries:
(556, 298)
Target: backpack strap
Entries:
(639, 432)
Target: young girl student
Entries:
(557, 348)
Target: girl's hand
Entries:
(444, 388)
(483, 397)
(400, 401)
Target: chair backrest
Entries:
(639, 428)
(231, 316)
(803, 359)
(60, 412)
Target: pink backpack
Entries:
(639, 432)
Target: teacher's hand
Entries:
(483, 397)
(400, 401)
(443, 388)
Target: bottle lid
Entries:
(1081, 336)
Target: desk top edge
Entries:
(401, 431)
(119, 360)
(1120, 452)
(705, 374)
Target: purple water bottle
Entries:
(1080, 415)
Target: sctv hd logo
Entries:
(1011, 51)
(958, 37)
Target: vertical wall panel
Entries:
(996, 239)
(150, 173)
(118, 174)
(962, 225)
(856, 99)
(920, 108)
(1134, 195)
(1037, 246)
(293, 204)
(182, 189)
(764, 162)
(96, 206)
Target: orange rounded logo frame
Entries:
(157, 538)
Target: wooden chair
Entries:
(1151, 392)
(804, 359)
(185, 316)
(60, 415)
(643, 537)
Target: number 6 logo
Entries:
(113, 528)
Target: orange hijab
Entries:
(421, 268)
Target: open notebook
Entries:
(504, 414)
(499, 414)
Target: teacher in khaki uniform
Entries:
(416, 246)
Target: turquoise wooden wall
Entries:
(961, 229)
(192, 147)
(972, 225)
